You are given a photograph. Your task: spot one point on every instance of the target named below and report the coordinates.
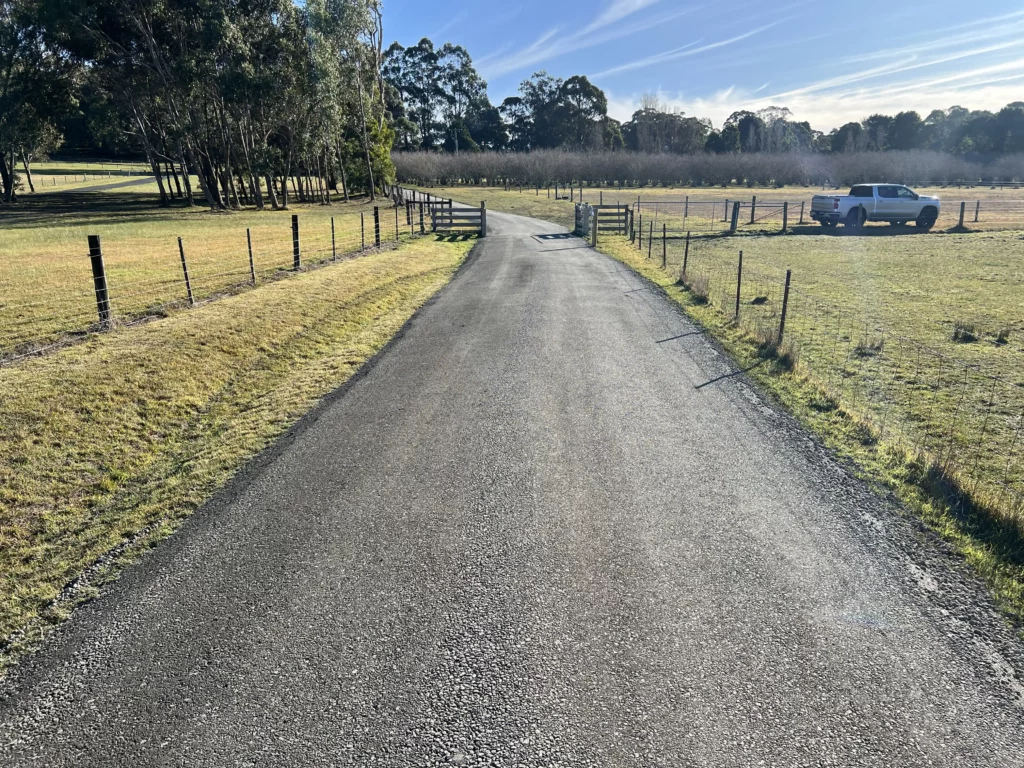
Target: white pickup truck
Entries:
(893, 203)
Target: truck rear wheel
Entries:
(855, 218)
(927, 219)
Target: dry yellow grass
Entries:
(45, 278)
(135, 428)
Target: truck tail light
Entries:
(835, 204)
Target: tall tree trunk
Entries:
(272, 193)
(344, 178)
(202, 168)
(324, 171)
(28, 171)
(170, 171)
(7, 176)
(224, 174)
(154, 162)
(257, 192)
(366, 138)
(186, 174)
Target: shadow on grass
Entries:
(885, 230)
(80, 208)
(1003, 535)
(76, 208)
(443, 237)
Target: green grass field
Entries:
(133, 429)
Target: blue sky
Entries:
(710, 58)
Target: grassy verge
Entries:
(134, 429)
(991, 541)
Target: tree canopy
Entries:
(242, 94)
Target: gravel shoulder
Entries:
(550, 525)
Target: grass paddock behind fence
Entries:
(999, 208)
(46, 285)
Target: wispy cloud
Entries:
(984, 87)
(452, 23)
(613, 23)
(945, 42)
(685, 50)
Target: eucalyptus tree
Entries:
(37, 88)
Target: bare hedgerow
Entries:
(631, 169)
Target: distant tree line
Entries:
(439, 102)
(244, 95)
(541, 168)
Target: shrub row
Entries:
(546, 167)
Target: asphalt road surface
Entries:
(550, 526)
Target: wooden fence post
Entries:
(785, 217)
(977, 210)
(362, 231)
(376, 226)
(650, 238)
(739, 284)
(99, 280)
(753, 208)
(686, 208)
(963, 209)
(785, 307)
(422, 230)
(334, 247)
(483, 218)
(686, 253)
(735, 218)
(664, 246)
(725, 214)
(597, 225)
(802, 211)
(640, 236)
(184, 268)
(252, 264)
(396, 223)
(296, 253)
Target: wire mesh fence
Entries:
(57, 299)
(964, 424)
(716, 216)
(769, 215)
